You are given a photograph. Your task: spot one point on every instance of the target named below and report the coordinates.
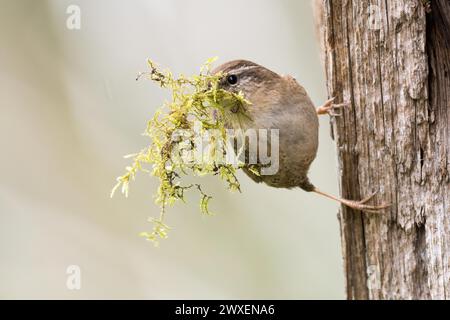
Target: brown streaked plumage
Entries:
(279, 102)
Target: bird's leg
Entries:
(329, 107)
(357, 205)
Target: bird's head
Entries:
(253, 80)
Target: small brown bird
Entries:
(279, 102)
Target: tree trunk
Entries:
(391, 60)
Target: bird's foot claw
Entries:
(367, 199)
(329, 108)
(361, 205)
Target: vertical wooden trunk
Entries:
(391, 60)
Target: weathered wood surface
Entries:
(391, 60)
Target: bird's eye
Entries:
(232, 79)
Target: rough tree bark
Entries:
(391, 60)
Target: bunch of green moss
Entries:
(197, 103)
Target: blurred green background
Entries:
(71, 108)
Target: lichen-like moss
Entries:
(196, 101)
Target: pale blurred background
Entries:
(71, 108)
